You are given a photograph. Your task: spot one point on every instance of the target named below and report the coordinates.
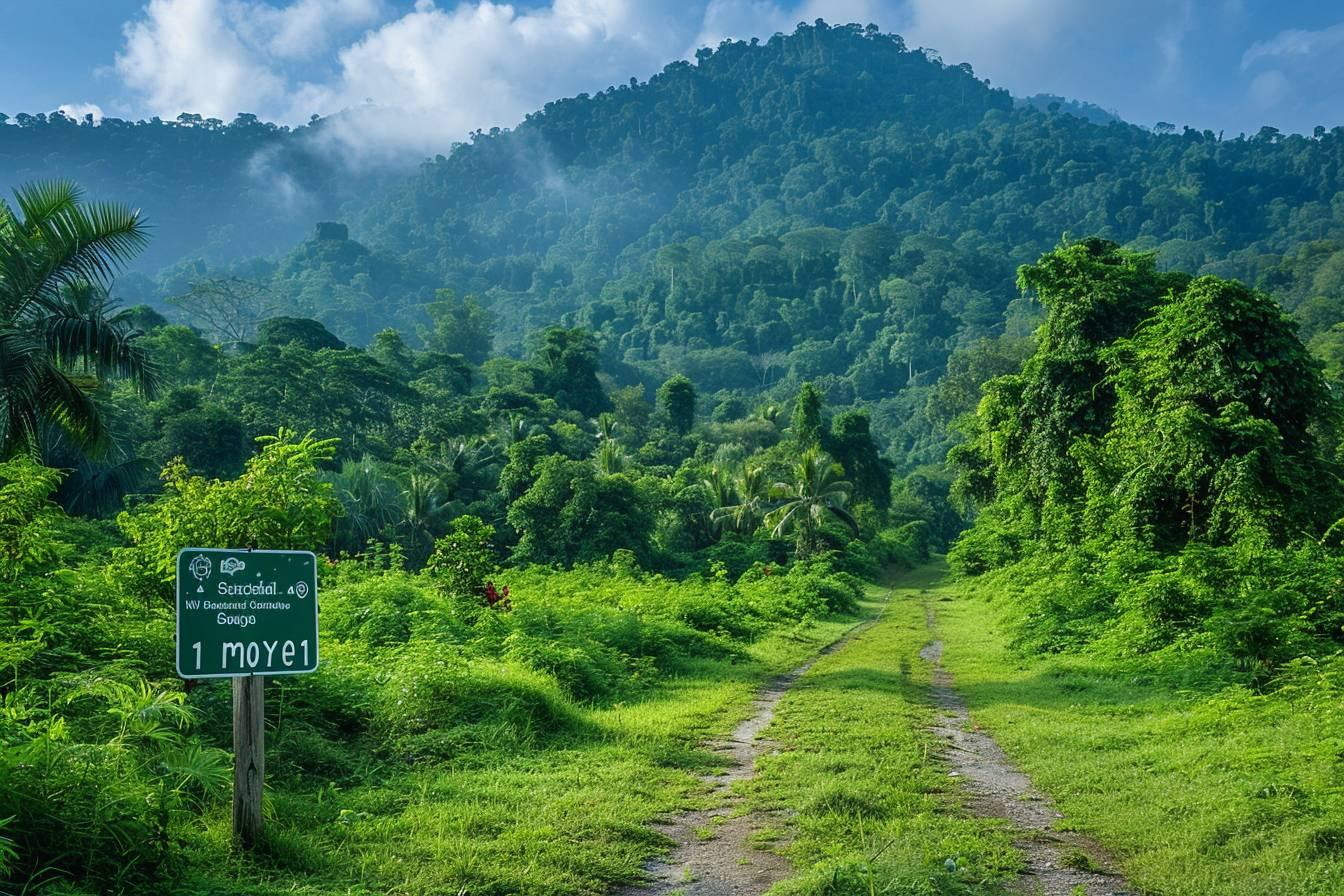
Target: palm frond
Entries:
(70, 405)
(45, 198)
(55, 323)
(79, 334)
(783, 518)
(845, 517)
(89, 242)
(21, 369)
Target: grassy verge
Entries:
(859, 792)
(1196, 786)
(569, 818)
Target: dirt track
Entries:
(713, 855)
(1058, 863)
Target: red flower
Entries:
(495, 597)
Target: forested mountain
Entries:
(211, 190)
(828, 205)
(833, 206)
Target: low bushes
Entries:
(1250, 606)
(103, 774)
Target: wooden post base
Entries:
(249, 759)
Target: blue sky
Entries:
(449, 67)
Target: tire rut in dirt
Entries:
(1058, 863)
(726, 863)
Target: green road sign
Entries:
(243, 612)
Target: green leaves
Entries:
(1214, 433)
(570, 514)
(55, 321)
(279, 502)
(28, 518)
(1157, 454)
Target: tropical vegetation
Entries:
(601, 423)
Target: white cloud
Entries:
(436, 74)
(77, 111)
(189, 55)
(305, 28)
(1294, 43)
(1269, 89)
(221, 57)
(984, 27)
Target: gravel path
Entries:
(713, 855)
(1058, 863)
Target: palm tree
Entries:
(517, 428)
(59, 336)
(470, 467)
(816, 493)
(750, 496)
(609, 458)
(93, 486)
(605, 425)
(372, 501)
(425, 513)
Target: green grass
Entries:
(1195, 785)
(869, 807)
(571, 817)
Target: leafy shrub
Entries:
(1254, 604)
(377, 611)
(339, 701)
(465, 558)
(983, 548)
(583, 670)
(857, 559)
(97, 772)
(903, 547)
(805, 590)
(736, 554)
(278, 503)
(644, 615)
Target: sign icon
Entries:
(301, 590)
(231, 565)
(200, 566)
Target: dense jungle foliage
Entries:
(503, 541)
(1163, 471)
(657, 376)
(826, 206)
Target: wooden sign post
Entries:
(249, 758)
(244, 615)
